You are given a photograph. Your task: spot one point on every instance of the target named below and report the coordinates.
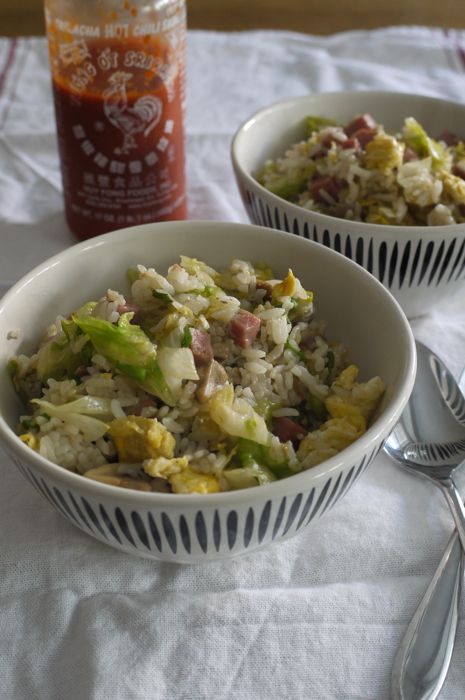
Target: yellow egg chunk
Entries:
(454, 187)
(180, 476)
(137, 438)
(350, 405)
(163, 468)
(364, 396)
(286, 288)
(333, 436)
(29, 439)
(384, 152)
(338, 408)
(189, 481)
(374, 216)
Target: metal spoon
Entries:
(429, 438)
(436, 410)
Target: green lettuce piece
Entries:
(247, 477)
(265, 408)
(162, 296)
(63, 354)
(133, 274)
(289, 186)
(252, 455)
(286, 185)
(59, 358)
(128, 349)
(418, 140)
(316, 123)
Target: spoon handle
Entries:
(456, 506)
(423, 658)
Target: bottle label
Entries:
(119, 100)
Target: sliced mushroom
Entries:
(211, 378)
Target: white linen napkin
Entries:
(317, 617)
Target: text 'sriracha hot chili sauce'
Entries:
(118, 74)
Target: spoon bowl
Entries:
(429, 439)
(430, 436)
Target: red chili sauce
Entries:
(119, 112)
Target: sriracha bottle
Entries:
(118, 77)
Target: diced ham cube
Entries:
(243, 328)
(324, 184)
(363, 121)
(364, 136)
(201, 347)
(352, 143)
(286, 429)
(409, 155)
(459, 170)
(449, 138)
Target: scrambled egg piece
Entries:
(345, 389)
(375, 216)
(286, 287)
(332, 437)
(137, 438)
(290, 286)
(350, 405)
(384, 153)
(454, 187)
(30, 440)
(179, 474)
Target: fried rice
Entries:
(196, 381)
(361, 172)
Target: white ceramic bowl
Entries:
(420, 265)
(193, 528)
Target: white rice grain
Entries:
(270, 313)
(257, 367)
(278, 330)
(172, 425)
(313, 385)
(280, 412)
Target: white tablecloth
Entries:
(318, 617)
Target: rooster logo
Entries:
(142, 117)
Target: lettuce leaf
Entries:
(128, 349)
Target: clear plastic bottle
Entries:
(118, 75)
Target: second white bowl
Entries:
(420, 265)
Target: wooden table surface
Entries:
(25, 17)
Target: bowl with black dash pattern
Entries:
(193, 528)
(420, 265)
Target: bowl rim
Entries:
(355, 227)
(353, 453)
